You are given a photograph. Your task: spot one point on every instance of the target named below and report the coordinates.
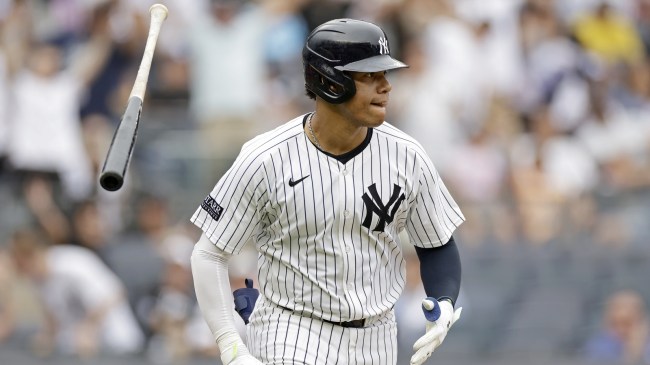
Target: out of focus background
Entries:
(535, 112)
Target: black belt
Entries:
(357, 323)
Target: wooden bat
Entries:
(121, 148)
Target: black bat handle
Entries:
(121, 149)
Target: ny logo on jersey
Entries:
(384, 212)
(383, 45)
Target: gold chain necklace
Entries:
(311, 131)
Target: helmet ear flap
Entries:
(333, 86)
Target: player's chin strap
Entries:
(213, 293)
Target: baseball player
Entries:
(323, 198)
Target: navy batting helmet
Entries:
(342, 45)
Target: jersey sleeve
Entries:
(229, 214)
(435, 215)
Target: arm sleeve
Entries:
(434, 216)
(214, 295)
(440, 270)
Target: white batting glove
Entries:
(237, 354)
(436, 328)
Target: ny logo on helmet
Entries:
(374, 205)
(383, 45)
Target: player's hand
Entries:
(440, 317)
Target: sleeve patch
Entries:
(212, 207)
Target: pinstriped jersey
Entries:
(326, 232)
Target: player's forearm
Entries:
(214, 295)
(440, 270)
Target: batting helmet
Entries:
(342, 45)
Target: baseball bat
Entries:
(121, 148)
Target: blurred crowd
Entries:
(535, 112)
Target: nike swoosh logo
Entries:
(294, 183)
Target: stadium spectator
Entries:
(286, 35)
(616, 140)
(177, 334)
(610, 35)
(85, 304)
(89, 230)
(227, 78)
(550, 172)
(138, 257)
(625, 336)
(478, 173)
(45, 133)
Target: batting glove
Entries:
(440, 317)
(245, 299)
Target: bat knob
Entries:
(111, 181)
(159, 10)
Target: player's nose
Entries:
(384, 85)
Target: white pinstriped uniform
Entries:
(328, 244)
